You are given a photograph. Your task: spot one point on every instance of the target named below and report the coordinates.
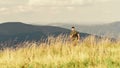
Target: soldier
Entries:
(74, 36)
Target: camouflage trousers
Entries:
(74, 42)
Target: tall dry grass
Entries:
(60, 53)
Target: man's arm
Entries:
(71, 35)
(78, 37)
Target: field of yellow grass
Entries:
(60, 53)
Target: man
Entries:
(74, 36)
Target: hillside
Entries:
(17, 31)
(63, 54)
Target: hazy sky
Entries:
(60, 11)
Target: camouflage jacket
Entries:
(74, 34)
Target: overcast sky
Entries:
(60, 11)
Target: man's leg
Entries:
(75, 42)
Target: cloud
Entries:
(15, 10)
(12, 3)
(63, 2)
(3, 9)
(8, 7)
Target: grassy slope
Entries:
(58, 54)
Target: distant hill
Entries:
(112, 29)
(17, 31)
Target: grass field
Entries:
(58, 53)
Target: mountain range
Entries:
(18, 31)
(111, 29)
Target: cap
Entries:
(73, 27)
